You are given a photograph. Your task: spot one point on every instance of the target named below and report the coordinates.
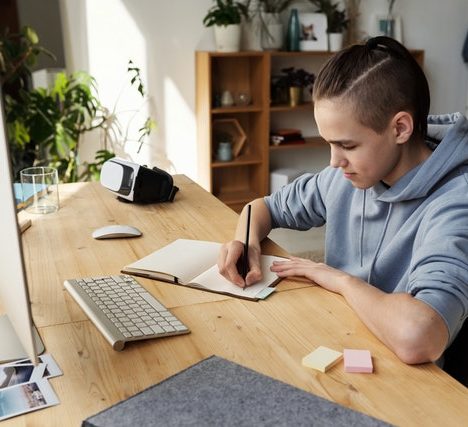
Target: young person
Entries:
(394, 200)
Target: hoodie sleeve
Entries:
(439, 270)
(300, 204)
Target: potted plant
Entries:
(293, 81)
(226, 16)
(337, 22)
(49, 122)
(272, 34)
(45, 125)
(18, 53)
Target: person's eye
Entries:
(349, 147)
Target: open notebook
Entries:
(192, 263)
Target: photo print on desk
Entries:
(23, 398)
(51, 367)
(11, 375)
(25, 388)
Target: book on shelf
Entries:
(192, 263)
(286, 136)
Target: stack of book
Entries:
(286, 136)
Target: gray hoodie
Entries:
(412, 237)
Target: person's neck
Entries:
(413, 154)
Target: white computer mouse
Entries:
(116, 231)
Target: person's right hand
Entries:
(229, 255)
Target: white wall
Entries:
(161, 38)
(44, 17)
(169, 32)
(440, 29)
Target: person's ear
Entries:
(402, 125)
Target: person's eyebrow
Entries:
(341, 142)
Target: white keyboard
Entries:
(123, 310)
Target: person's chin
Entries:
(358, 183)
(360, 186)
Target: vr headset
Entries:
(134, 183)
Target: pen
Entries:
(245, 256)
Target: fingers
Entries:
(293, 267)
(228, 259)
(227, 262)
(255, 272)
(286, 270)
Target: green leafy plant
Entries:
(290, 77)
(18, 53)
(47, 123)
(45, 126)
(337, 19)
(112, 127)
(225, 12)
(295, 77)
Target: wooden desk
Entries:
(269, 336)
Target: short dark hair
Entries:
(380, 78)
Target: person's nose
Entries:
(337, 160)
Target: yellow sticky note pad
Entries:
(322, 358)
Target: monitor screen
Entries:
(18, 336)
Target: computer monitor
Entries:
(18, 336)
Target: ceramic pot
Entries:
(272, 34)
(335, 41)
(252, 34)
(274, 39)
(227, 100)
(295, 96)
(227, 38)
(224, 153)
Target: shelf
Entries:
(237, 109)
(247, 176)
(286, 107)
(244, 53)
(237, 197)
(233, 130)
(284, 53)
(242, 160)
(311, 142)
(301, 53)
(250, 53)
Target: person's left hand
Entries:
(323, 275)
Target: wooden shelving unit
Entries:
(306, 106)
(247, 176)
(310, 142)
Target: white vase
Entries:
(227, 99)
(252, 34)
(272, 34)
(227, 38)
(335, 42)
(274, 39)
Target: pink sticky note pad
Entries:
(357, 361)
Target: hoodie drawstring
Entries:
(361, 234)
(387, 220)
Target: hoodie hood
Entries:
(409, 238)
(443, 130)
(418, 182)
